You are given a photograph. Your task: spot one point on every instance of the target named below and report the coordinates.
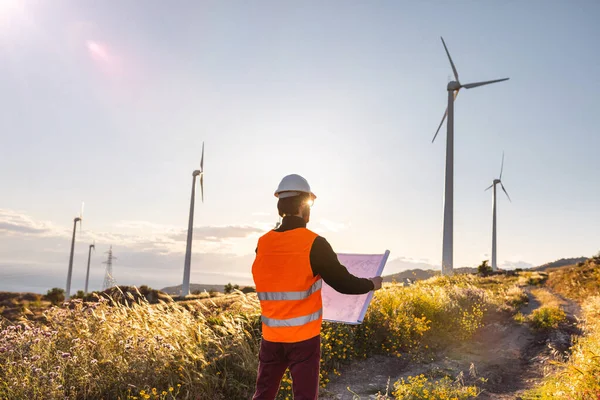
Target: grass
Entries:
(579, 377)
(420, 387)
(208, 349)
(577, 282)
(533, 278)
(545, 318)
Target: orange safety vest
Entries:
(289, 294)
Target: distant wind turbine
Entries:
(70, 273)
(185, 287)
(453, 89)
(493, 185)
(87, 275)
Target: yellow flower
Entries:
(171, 389)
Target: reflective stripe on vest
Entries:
(301, 295)
(298, 321)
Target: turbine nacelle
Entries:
(196, 172)
(454, 85)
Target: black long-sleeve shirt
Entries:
(324, 262)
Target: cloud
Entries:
(515, 264)
(218, 233)
(17, 223)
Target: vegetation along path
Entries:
(509, 353)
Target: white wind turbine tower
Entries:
(185, 287)
(70, 272)
(87, 275)
(453, 88)
(493, 185)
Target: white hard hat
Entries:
(293, 185)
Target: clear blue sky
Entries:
(109, 102)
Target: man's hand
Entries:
(377, 280)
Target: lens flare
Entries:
(97, 51)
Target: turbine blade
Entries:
(451, 62)
(202, 159)
(505, 192)
(502, 166)
(443, 119)
(440, 126)
(491, 186)
(476, 84)
(202, 187)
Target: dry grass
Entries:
(578, 378)
(208, 348)
(577, 282)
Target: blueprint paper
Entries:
(351, 309)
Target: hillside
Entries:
(578, 281)
(194, 287)
(421, 274)
(563, 262)
(198, 288)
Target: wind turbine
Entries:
(453, 89)
(185, 287)
(493, 185)
(70, 273)
(87, 275)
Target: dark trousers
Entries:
(303, 360)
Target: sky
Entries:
(109, 103)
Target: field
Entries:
(207, 348)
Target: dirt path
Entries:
(510, 355)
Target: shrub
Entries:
(228, 288)
(55, 295)
(484, 269)
(547, 318)
(419, 387)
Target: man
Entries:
(291, 262)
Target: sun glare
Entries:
(10, 11)
(97, 51)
